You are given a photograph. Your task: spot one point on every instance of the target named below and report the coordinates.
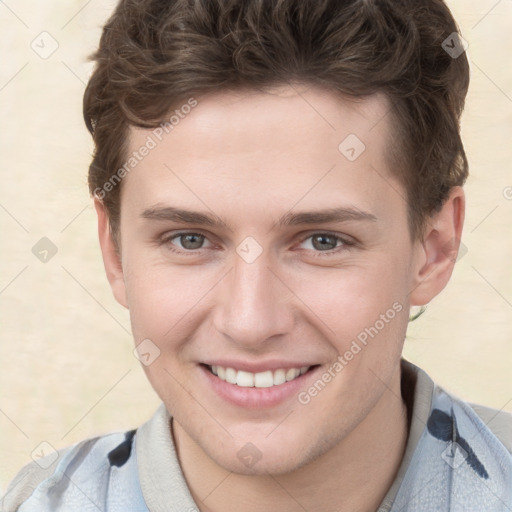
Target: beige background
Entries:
(67, 368)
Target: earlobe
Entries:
(111, 258)
(438, 254)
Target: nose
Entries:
(254, 307)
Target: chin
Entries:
(262, 457)
(265, 466)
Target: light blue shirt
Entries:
(453, 462)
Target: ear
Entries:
(111, 258)
(437, 253)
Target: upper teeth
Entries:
(258, 380)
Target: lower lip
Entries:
(256, 398)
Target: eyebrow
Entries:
(330, 215)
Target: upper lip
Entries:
(256, 367)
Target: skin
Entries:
(249, 158)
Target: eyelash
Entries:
(346, 243)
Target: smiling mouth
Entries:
(265, 379)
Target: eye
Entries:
(320, 243)
(326, 242)
(188, 241)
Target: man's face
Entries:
(264, 287)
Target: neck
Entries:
(353, 476)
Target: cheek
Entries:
(161, 300)
(349, 299)
(363, 315)
(165, 309)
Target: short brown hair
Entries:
(154, 54)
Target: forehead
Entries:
(304, 111)
(280, 145)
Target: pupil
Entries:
(195, 241)
(323, 240)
